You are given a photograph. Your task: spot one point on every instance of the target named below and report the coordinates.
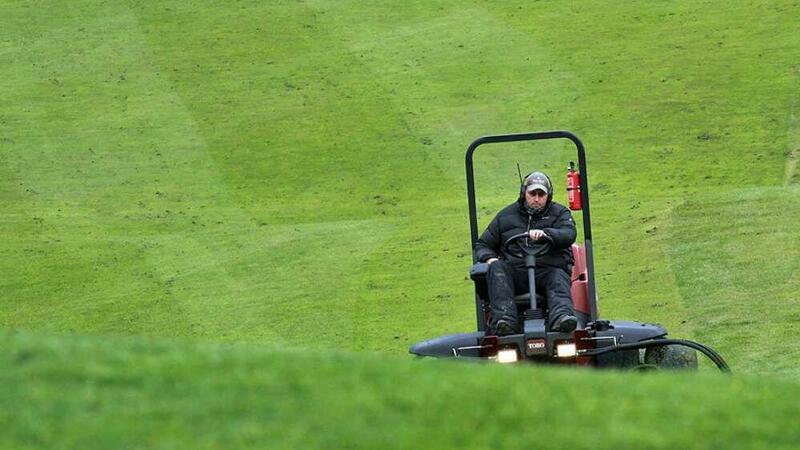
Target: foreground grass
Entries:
(87, 393)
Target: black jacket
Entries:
(555, 220)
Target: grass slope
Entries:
(742, 277)
(239, 171)
(73, 392)
(291, 174)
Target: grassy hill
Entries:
(135, 393)
(291, 174)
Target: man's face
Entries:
(536, 199)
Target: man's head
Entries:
(537, 191)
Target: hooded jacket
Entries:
(554, 219)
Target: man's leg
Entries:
(556, 284)
(500, 280)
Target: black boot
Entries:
(504, 328)
(565, 324)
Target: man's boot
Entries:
(504, 328)
(565, 324)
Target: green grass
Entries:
(746, 293)
(291, 174)
(71, 392)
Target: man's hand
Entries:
(491, 260)
(537, 234)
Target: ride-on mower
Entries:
(595, 341)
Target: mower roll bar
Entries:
(587, 224)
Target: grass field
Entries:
(134, 393)
(290, 174)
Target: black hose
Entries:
(710, 353)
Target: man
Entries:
(536, 213)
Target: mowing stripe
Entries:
(737, 276)
(793, 152)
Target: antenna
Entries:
(519, 172)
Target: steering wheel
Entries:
(528, 247)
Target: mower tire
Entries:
(671, 357)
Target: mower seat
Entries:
(580, 282)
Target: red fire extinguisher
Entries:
(574, 187)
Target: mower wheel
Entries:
(671, 357)
(644, 368)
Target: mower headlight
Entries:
(566, 350)
(508, 355)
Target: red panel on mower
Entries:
(580, 287)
